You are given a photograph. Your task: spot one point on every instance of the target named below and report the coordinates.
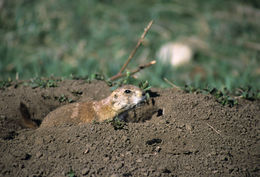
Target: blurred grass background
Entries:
(64, 38)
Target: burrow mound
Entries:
(185, 134)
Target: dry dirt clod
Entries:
(39, 154)
(119, 165)
(139, 160)
(85, 171)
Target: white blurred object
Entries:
(175, 53)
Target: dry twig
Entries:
(120, 73)
(217, 131)
(170, 83)
(140, 67)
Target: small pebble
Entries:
(106, 159)
(189, 127)
(129, 153)
(114, 175)
(145, 174)
(38, 154)
(147, 155)
(119, 165)
(139, 160)
(86, 151)
(124, 138)
(84, 171)
(158, 149)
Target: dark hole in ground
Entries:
(159, 113)
(26, 157)
(165, 170)
(153, 141)
(153, 102)
(10, 135)
(37, 121)
(153, 94)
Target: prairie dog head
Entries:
(126, 97)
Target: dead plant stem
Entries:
(140, 67)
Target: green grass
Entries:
(42, 83)
(80, 38)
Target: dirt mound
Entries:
(186, 135)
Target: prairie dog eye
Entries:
(127, 91)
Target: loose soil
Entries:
(176, 134)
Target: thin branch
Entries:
(140, 67)
(136, 47)
(170, 83)
(217, 131)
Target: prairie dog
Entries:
(119, 101)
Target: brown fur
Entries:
(74, 113)
(86, 112)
